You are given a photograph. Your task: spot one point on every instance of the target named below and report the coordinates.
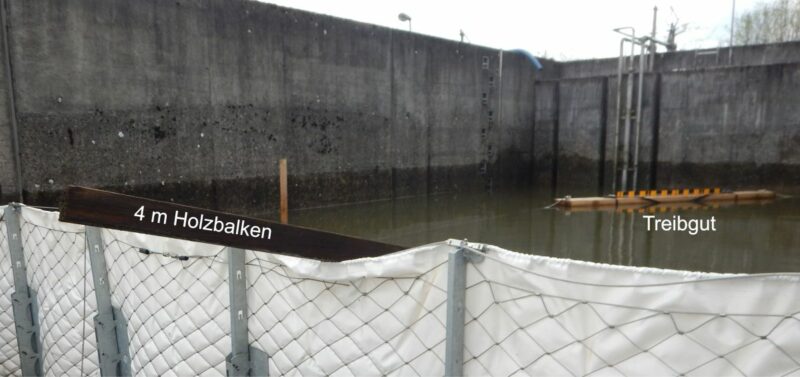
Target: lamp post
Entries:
(404, 17)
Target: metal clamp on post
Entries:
(23, 299)
(456, 306)
(243, 360)
(109, 327)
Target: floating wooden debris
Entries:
(645, 198)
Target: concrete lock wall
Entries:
(197, 100)
(706, 121)
(743, 127)
(8, 178)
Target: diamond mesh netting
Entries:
(522, 322)
(58, 273)
(9, 354)
(524, 315)
(350, 324)
(176, 308)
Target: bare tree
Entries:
(769, 22)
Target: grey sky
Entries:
(560, 29)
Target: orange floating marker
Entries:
(650, 197)
(717, 190)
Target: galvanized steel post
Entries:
(243, 360)
(456, 309)
(23, 300)
(110, 329)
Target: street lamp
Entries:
(404, 17)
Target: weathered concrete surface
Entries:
(765, 54)
(8, 178)
(196, 101)
(704, 123)
(545, 137)
(582, 121)
(737, 127)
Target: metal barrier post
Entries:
(109, 326)
(456, 301)
(243, 360)
(23, 300)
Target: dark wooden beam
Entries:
(125, 212)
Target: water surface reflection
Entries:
(750, 238)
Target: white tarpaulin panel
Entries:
(58, 274)
(547, 316)
(175, 306)
(525, 315)
(376, 316)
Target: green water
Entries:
(749, 238)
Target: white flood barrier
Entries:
(172, 307)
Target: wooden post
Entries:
(284, 192)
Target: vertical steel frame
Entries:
(243, 360)
(23, 299)
(456, 298)
(456, 309)
(109, 328)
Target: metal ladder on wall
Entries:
(629, 103)
(628, 113)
